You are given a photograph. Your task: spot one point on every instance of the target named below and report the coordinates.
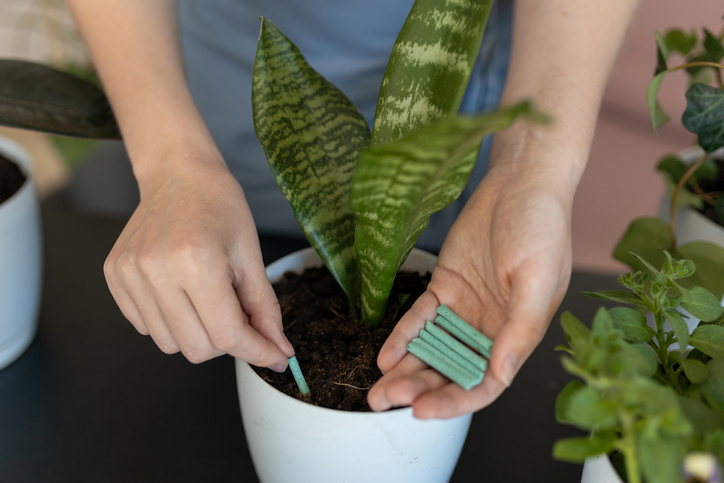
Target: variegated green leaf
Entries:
(397, 186)
(312, 135)
(430, 65)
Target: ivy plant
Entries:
(364, 197)
(640, 398)
(699, 185)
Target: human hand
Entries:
(504, 268)
(187, 270)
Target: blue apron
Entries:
(349, 43)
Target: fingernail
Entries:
(510, 369)
(278, 368)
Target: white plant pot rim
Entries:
(20, 259)
(314, 442)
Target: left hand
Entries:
(504, 268)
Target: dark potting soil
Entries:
(338, 357)
(11, 178)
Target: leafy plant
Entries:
(641, 399)
(700, 184)
(363, 198)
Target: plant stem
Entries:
(628, 448)
(672, 211)
(696, 64)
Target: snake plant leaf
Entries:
(704, 115)
(397, 186)
(312, 135)
(38, 97)
(430, 65)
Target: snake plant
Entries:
(363, 198)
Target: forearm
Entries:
(563, 51)
(135, 48)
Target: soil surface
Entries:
(338, 357)
(11, 178)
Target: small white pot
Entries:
(292, 441)
(599, 469)
(20, 261)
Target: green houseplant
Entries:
(695, 183)
(643, 401)
(361, 197)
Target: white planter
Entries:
(599, 469)
(292, 441)
(20, 261)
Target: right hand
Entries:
(187, 270)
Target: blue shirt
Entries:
(349, 43)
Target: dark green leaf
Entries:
(312, 135)
(697, 355)
(660, 455)
(397, 187)
(695, 371)
(576, 450)
(563, 401)
(573, 328)
(709, 261)
(632, 323)
(719, 209)
(37, 97)
(705, 305)
(656, 112)
(713, 387)
(709, 339)
(662, 54)
(678, 41)
(701, 416)
(429, 67)
(617, 296)
(647, 237)
(586, 409)
(679, 325)
(704, 115)
(640, 359)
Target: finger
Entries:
(532, 305)
(185, 325)
(134, 294)
(451, 400)
(229, 328)
(409, 327)
(403, 384)
(260, 303)
(125, 303)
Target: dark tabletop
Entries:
(93, 401)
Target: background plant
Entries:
(699, 184)
(639, 396)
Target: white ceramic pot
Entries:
(292, 441)
(20, 261)
(599, 469)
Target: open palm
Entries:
(504, 268)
